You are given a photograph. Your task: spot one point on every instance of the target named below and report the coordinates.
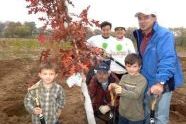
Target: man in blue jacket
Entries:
(161, 67)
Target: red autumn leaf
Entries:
(41, 38)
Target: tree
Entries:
(180, 35)
(23, 31)
(10, 30)
(89, 32)
(64, 31)
(16, 29)
(31, 27)
(129, 33)
(97, 31)
(2, 26)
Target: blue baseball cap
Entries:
(102, 67)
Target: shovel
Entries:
(152, 109)
(112, 114)
(41, 117)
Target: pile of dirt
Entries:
(73, 112)
(178, 107)
(13, 77)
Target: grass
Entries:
(181, 48)
(13, 48)
(20, 43)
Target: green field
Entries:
(11, 48)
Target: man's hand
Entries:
(157, 89)
(37, 111)
(104, 109)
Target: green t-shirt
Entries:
(132, 96)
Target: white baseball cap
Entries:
(145, 12)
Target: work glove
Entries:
(104, 109)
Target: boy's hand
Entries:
(112, 86)
(115, 87)
(118, 90)
(37, 111)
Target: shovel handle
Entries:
(153, 106)
(154, 101)
(113, 98)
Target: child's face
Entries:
(133, 69)
(47, 75)
(120, 33)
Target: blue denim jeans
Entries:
(123, 120)
(162, 108)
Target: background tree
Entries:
(180, 35)
(97, 32)
(2, 26)
(18, 30)
(31, 27)
(11, 29)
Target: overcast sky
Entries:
(170, 13)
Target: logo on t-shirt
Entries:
(119, 47)
(105, 45)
